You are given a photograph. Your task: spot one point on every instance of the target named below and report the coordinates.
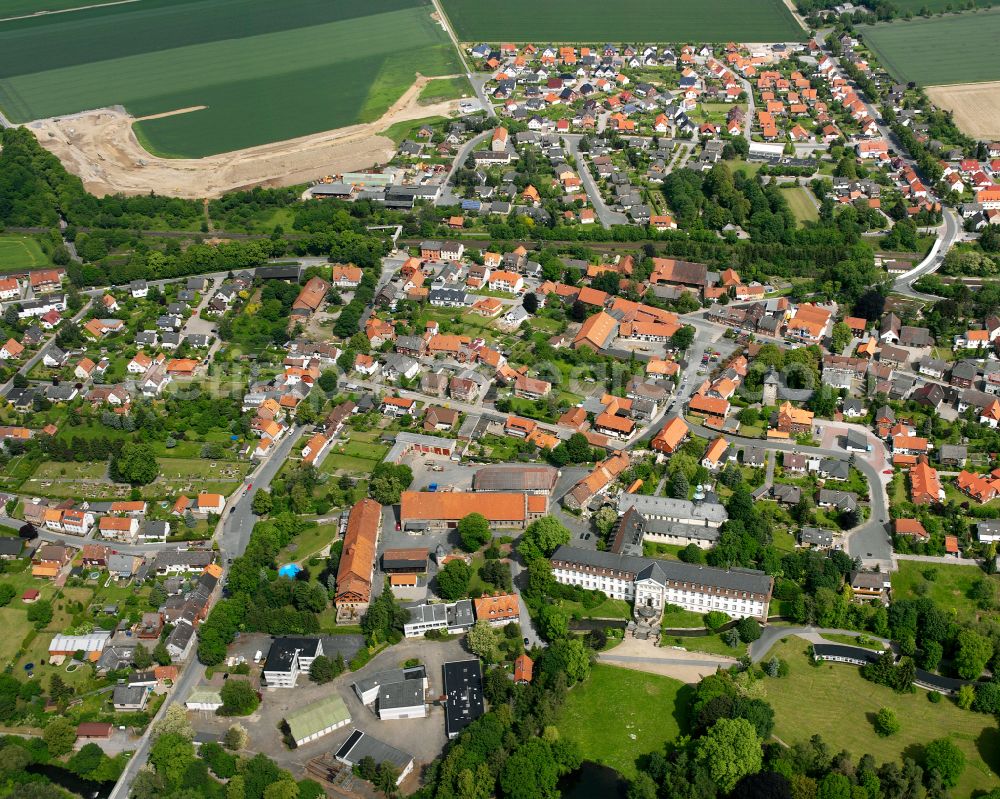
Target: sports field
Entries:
(20, 252)
(257, 71)
(626, 20)
(940, 50)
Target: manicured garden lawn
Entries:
(309, 542)
(608, 609)
(682, 618)
(335, 461)
(619, 715)
(834, 701)
(852, 640)
(949, 589)
(712, 644)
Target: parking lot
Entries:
(422, 738)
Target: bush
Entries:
(715, 619)
(886, 723)
(934, 696)
(748, 629)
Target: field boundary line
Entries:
(69, 10)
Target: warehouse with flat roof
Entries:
(463, 687)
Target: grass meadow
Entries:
(800, 202)
(619, 715)
(936, 51)
(263, 71)
(949, 585)
(628, 20)
(836, 702)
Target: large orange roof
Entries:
(358, 555)
(596, 331)
(417, 505)
(501, 606)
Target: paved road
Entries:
(948, 233)
(34, 359)
(605, 215)
(464, 407)
(771, 635)
(232, 538)
(448, 196)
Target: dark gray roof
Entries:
(734, 579)
(817, 536)
(360, 745)
(650, 506)
(382, 678)
(283, 650)
(406, 693)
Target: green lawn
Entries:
(336, 462)
(949, 587)
(840, 706)
(936, 51)
(407, 129)
(675, 619)
(711, 644)
(608, 609)
(853, 640)
(20, 252)
(16, 626)
(445, 89)
(799, 199)
(262, 71)
(592, 21)
(309, 542)
(618, 715)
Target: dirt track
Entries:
(101, 147)
(976, 107)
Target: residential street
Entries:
(605, 215)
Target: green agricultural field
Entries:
(647, 20)
(939, 50)
(258, 71)
(841, 705)
(648, 711)
(20, 252)
(18, 8)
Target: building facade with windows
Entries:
(649, 582)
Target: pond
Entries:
(88, 789)
(593, 781)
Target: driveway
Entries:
(689, 667)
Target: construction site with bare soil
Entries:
(102, 149)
